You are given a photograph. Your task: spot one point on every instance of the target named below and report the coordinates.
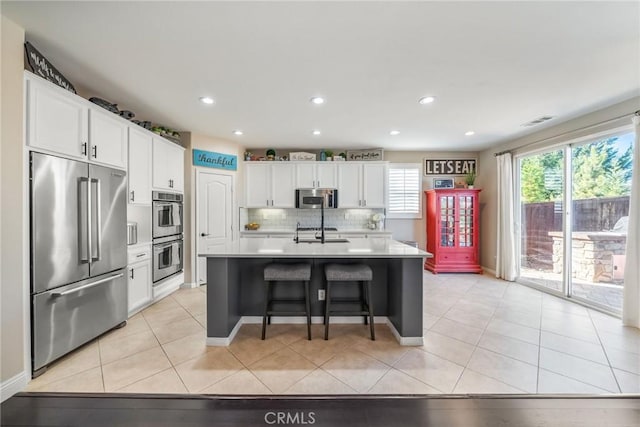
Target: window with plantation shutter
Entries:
(404, 191)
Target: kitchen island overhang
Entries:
(235, 284)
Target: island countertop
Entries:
(285, 248)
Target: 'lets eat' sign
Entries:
(212, 159)
(449, 167)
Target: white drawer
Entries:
(139, 254)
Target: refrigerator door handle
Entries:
(87, 286)
(82, 205)
(98, 256)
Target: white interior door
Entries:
(214, 215)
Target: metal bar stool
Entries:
(286, 273)
(360, 273)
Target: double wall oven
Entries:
(167, 223)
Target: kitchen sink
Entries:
(325, 240)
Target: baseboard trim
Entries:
(189, 285)
(13, 385)
(225, 341)
(405, 341)
(488, 270)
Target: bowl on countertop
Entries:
(252, 226)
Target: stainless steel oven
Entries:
(167, 214)
(167, 257)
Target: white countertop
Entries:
(293, 231)
(285, 248)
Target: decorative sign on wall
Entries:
(211, 159)
(449, 167)
(42, 67)
(372, 154)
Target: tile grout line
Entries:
(604, 350)
(101, 370)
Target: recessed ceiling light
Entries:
(238, 132)
(426, 100)
(318, 100)
(316, 132)
(469, 133)
(394, 132)
(207, 100)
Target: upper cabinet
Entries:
(63, 123)
(139, 170)
(270, 185)
(107, 138)
(57, 120)
(168, 166)
(362, 185)
(316, 175)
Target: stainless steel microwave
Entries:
(314, 198)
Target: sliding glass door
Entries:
(574, 207)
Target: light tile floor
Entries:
(482, 335)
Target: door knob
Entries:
(203, 234)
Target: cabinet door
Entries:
(107, 139)
(349, 194)
(283, 186)
(258, 185)
(326, 175)
(176, 167)
(160, 168)
(374, 183)
(139, 285)
(56, 121)
(139, 171)
(305, 175)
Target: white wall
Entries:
(415, 229)
(201, 142)
(566, 131)
(13, 218)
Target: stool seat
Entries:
(348, 272)
(287, 272)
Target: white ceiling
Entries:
(492, 66)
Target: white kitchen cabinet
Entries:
(62, 123)
(270, 185)
(57, 120)
(139, 170)
(107, 138)
(139, 278)
(316, 175)
(168, 166)
(362, 185)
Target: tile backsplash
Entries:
(286, 219)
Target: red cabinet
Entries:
(453, 220)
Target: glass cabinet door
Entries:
(465, 229)
(447, 221)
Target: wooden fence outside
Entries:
(538, 219)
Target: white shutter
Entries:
(404, 191)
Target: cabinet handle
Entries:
(133, 195)
(170, 183)
(318, 184)
(364, 203)
(95, 151)
(84, 148)
(132, 273)
(140, 256)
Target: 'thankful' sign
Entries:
(449, 167)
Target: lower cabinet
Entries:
(139, 278)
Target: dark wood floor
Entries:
(56, 409)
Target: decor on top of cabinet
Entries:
(127, 115)
(370, 154)
(470, 179)
(301, 155)
(144, 124)
(271, 154)
(167, 133)
(105, 104)
(247, 155)
(45, 69)
(329, 155)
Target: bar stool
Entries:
(360, 273)
(286, 273)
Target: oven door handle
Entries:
(159, 247)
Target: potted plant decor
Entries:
(271, 154)
(470, 179)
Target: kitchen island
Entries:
(235, 285)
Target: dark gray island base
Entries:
(236, 289)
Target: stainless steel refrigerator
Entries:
(78, 254)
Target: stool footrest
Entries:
(353, 313)
(286, 313)
(288, 300)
